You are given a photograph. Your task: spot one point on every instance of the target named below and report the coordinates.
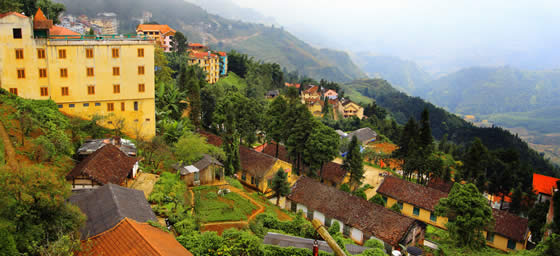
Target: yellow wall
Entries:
(141, 122)
(500, 242)
(210, 65)
(263, 182)
(351, 109)
(315, 109)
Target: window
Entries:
(196, 176)
(91, 90)
(122, 106)
(44, 91)
(42, 72)
(86, 104)
(490, 237)
(97, 104)
(89, 71)
(116, 88)
(346, 230)
(293, 207)
(64, 91)
(252, 180)
(116, 71)
(140, 52)
(115, 52)
(400, 204)
(41, 53)
(384, 200)
(64, 72)
(17, 33)
(141, 87)
(511, 244)
(140, 70)
(433, 217)
(21, 73)
(13, 91)
(62, 54)
(328, 221)
(416, 211)
(89, 53)
(110, 107)
(309, 214)
(60, 106)
(136, 109)
(19, 54)
(71, 105)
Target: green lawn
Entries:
(210, 207)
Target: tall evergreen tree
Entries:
(354, 162)
(280, 184)
(299, 124)
(475, 164)
(179, 43)
(425, 134)
(193, 94)
(274, 121)
(321, 146)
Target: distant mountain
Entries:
(230, 10)
(404, 75)
(403, 107)
(263, 42)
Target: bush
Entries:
(374, 243)
(334, 229)
(378, 199)
(271, 250)
(395, 207)
(234, 182)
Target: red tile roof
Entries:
(197, 45)
(312, 90)
(130, 238)
(357, 212)
(544, 184)
(2, 15)
(270, 150)
(212, 138)
(39, 15)
(223, 54)
(292, 85)
(106, 165)
(255, 163)
(200, 55)
(61, 31)
(162, 28)
(509, 225)
(412, 193)
(440, 184)
(333, 172)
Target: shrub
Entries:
(396, 208)
(334, 229)
(374, 243)
(234, 182)
(378, 199)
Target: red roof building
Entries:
(543, 186)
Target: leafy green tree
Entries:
(280, 185)
(172, 130)
(191, 147)
(179, 43)
(475, 164)
(537, 220)
(241, 243)
(334, 229)
(239, 63)
(374, 243)
(555, 226)
(231, 140)
(321, 146)
(378, 199)
(163, 73)
(34, 208)
(468, 213)
(354, 162)
(299, 122)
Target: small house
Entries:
(544, 186)
(359, 219)
(348, 109)
(312, 93)
(364, 135)
(207, 170)
(90, 146)
(331, 94)
(106, 165)
(258, 169)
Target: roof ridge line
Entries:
(145, 238)
(108, 230)
(115, 200)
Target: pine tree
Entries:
(425, 136)
(280, 185)
(194, 101)
(274, 126)
(321, 146)
(353, 162)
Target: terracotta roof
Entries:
(106, 165)
(312, 89)
(333, 172)
(544, 184)
(440, 184)
(40, 21)
(509, 225)
(292, 85)
(162, 28)
(2, 15)
(39, 15)
(201, 55)
(357, 212)
(61, 31)
(130, 238)
(196, 45)
(255, 163)
(270, 149)
(108, 205)
(412, 193)
(223, 54)
(212, 138)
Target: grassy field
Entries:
(211, 207)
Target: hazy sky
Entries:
(424, 29)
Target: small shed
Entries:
(206, 171)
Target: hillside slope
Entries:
(403, 107)
(264, 43)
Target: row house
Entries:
(359, 219)
(209, 62)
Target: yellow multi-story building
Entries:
(110, 76)
(163, 34)
(509, 233)
(209, 62)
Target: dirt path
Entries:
(371, 177)
(10, 153)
